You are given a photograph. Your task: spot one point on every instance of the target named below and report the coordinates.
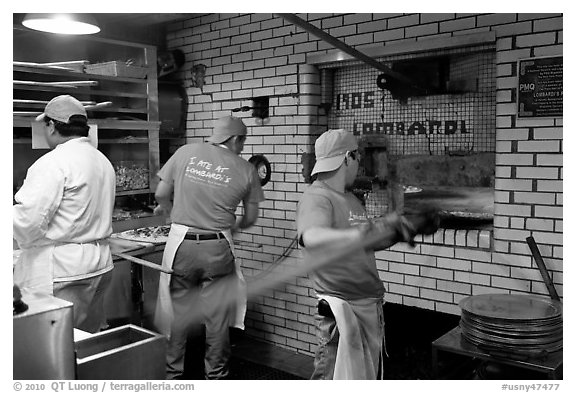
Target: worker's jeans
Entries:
(325, 359)
(203, 290)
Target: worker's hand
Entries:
(160, 210)
(406, 231)
(396, 228)
(403, 229)
(424, 222)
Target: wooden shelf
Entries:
(131, 123)
(27, 141)
(124, 140)
(134, 192)
(111, 109)
(77, 75)
(25, 121)
(80, 90)
(22, 141)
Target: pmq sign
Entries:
(540, 92)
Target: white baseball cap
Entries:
(330, 149)
(61, 108)
(227, 127)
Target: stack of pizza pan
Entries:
(525, 324)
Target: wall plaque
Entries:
(540, 92)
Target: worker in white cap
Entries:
(349, 319)
(62, 216)
(201, 186)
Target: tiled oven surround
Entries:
(472, 238)
(251, 55)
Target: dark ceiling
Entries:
(141, 20)
(145, 28)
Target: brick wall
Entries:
(251, 55)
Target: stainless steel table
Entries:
(550, 365)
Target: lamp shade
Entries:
(77, 24)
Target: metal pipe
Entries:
(310, 28)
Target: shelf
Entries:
(22, 141)
(123, 140)
(40, 107)
(27, 141)
(24, 121)
(80, 90)
(130, 126)
(134, 192)
(76, 75)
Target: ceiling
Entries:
(138, 20)
(145, 28)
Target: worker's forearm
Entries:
(321, 236)
(243, 222)
(164, 206)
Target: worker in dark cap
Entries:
(201, 186)
(62, 216)
(349, 318)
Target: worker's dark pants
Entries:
(204, 290)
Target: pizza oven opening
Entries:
(431, 149)
(458, 187)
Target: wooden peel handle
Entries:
(143, 262)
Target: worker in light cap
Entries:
(349, 319)
(62, 216)
(207, 182)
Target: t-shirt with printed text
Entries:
(351, 278)
(209, 183)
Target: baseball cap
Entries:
(227, 127)
(61, 108)
(331, 148)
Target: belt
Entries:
(203, 236)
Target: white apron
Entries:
(164, 314)
(361, 328)
(34, 270)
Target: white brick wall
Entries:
(250, 55)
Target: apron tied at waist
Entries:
(360, 345)
(164, 314)
(34, 270)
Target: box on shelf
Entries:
(117, 68)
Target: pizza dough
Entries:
(158, 234)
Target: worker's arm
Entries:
(249, 218)
(36, 202)
(391, 229)
(163, 196)
(318, 236)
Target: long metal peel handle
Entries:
(542, 267)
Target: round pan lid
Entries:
(511, 307)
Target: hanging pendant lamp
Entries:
(76, 24)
